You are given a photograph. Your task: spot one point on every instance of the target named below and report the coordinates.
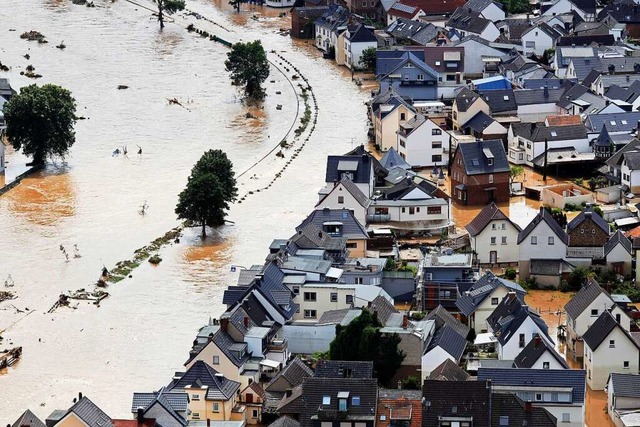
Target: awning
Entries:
(334, 273)
(270, 363)
(485, 338)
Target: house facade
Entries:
(422, 143)
(494, 238)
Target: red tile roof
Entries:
(399, 409)
(148, 422)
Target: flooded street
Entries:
(140, 335)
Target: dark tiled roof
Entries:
(358, 166)
(571, 94)
(585, 215)
(88, 412)
(537, 96)
(617, 237)
(570, 378)
(435, 7)
(351, 228)
(442, 317)
(513, 408)
(311, 236)
(475, 160)
(484, 287)
(544, 216)
(285, 422)
(315, 389)
(293, 373)
(509, 315)
(338, 368)
(448, 371)
(292, 404)
(464, 98)
(533, 351)
(450, 341)
(177, 401)
(28, 419)
(583, 298)
(480, 5)
(467, 20)
(600, 330)
(382, 308)
(489, 213)
(469, 398)
(584, 66)
(361, 34)
(479, 122)
(614, 122)
(616, 159)
(624, 385)
(538, 132)
(604, 39)
(632, 159)
(500, 100)
(201, 374)
(392, 159)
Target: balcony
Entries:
(327, 413)
(378, 218)
(277, 345)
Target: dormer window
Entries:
(490, 162)
(343, 396)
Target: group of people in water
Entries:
(124, 151)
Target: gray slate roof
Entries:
(285, 422)
(484, 287)
(614, 122)
(336, 165)
(442, 317)
(351, 228)
(583, 298)
(538, 132)
(450, 341)
(448, 371)
(521, 378)
(500, 101)
(177, 401)
(392, 159)
(294, 373)
(632, 158)
(533, 351)
(616, 159)
(600, 330)
(625, 385)
(544, 216)
(89, 412)
(475, 161)
(28, 419)
(509, 315)
(201, 374)
(479, 122)
(537, 96)
(617, 237)
(588, 214)
(467, 20)
(464, 98)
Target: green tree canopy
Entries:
(210, 189)
(368, 58)
(361, 339)
(249, 67)
(516, 6)
(515, 172)
(168, 6)
(40, 120)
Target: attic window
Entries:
(475, 162)
(326, 400)
(505, 97)
(355, 400)
(504, 421)
(554, 133)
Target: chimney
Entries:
(224, 324)
(511, 296)
(246, 321)
(527, 406)
(79, 396)
(140, 415)
(405, 321)
(536, 341)
(533, 126)
(288, 392)
(326, 209)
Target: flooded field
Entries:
(140, 335)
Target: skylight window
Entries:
(505, 97)
(624, 122)
(613, 122)
(554, 134)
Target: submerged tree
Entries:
(40, 120)
(249, 67)
(361, 339)
(210, 189)
(168, 6)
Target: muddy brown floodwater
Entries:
(140, 335)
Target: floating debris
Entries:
(6, 295)
(122, 87)
(9, 357)
(33, 36)
(250, 116)
(279, 107)
(61, 45)
(155, 259)
(3, 67)
(27, 56)
(82, 295)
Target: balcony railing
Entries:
(327, 413)
(277, 345)
(379, 218)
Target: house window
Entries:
(493, 226)
(530, 45)
(309, 314)
(358, 281)
(534, 240)
(403, 116)
(490, 162)
(436, 144)
(594, 312)
(551, 242)
(364, 4)
(566, 417)
(310, 296)
(255, 413)
(521, 340)
(436, 131)
(434, 210)
(216, 360)
(612, 343)
(538, 397)
(296, 290)
(195, 397)
(326, 400)
(402, 143)
(352, 245)
(493, 240)
(412, 210)
(195, 415)
(403, 210)
(545, 365)
(494, 301)
(504, 226)
(451, 77)
(342, 405)
(490, 178)
(504, 240)
(334, 297)
(349, 299)
(420, 77)
(436, 158)
(216, 406)
(625, 364)
(341, 199)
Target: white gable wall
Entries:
(512, 347)
(508, 252)
(332, 201)
(605, 360)
(418, 147)
(433, 359)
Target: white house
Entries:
(422, 143)
(527, 141)
(356, 40)
(539, 354)
(514, 325)
(560, 7)
(618, 253)
(539, 38)
(329, 26)
(494, 237)
(345, 194)
(630, 170)
(608, 348)
(387, 119)
(489, 9)
(466, 105)
(542, 239)
(445, 344)
(623, 398)
(468, 22)
(483, 297)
